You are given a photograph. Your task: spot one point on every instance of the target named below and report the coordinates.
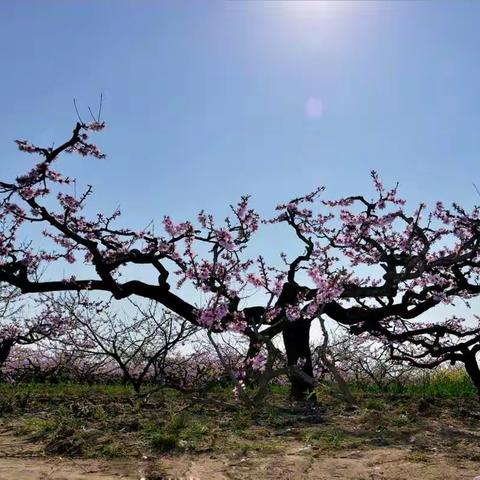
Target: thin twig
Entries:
(76, 110)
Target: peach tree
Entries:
(369, 264)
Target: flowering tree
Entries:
(364, 359)
(45, 362)
(139, 343)
(17, 328)
(367, 264)
(428, 346)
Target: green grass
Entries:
(452, 382)
(109, 450)
(64, 389)
(441, 383)
(163, 441)
(176, 431)
(37, 427)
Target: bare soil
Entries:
(100, 435)
(20, 459)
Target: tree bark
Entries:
(296, 338)
(5, 348)
(471, 366)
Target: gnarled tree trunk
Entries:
(296, 337)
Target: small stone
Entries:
(306, 448)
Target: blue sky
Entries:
(206, 101)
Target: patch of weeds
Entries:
(80, 409)
(37, 427)
(194, 431)
(63, 435)
(375, 404)
(401, 420)
(163, 441)
(244, 448)
(177, 422)
(272, 448)
(334, 439)
(65, 441)
(274, 418)
(126, 424)
(99, 413)
(6, 406)
(277, 389)
(382, 429)
(180, 431)
(327, 396)
(241, 420)
(371, 419)
(109, 450)
(420, 457)
(256, 433)
(331, 438)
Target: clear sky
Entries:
(206, 101)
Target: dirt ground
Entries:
(22, 460)
(76, 433)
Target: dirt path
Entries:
(376, 464)
(21, 460)
(63, 469)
